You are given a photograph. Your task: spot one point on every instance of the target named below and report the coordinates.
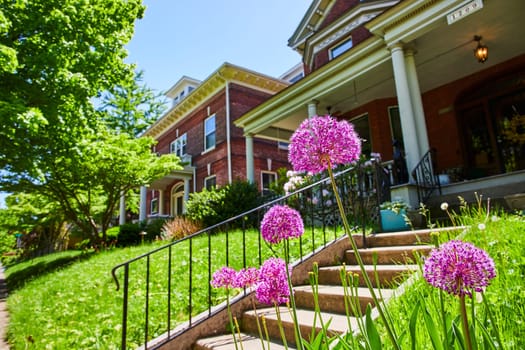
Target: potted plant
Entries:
(394, 215)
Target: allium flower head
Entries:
(458, 268)
(272, 288)
(224, 277)
(320, 142)
(281, 222)
(246, 278)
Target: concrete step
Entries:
(339, 324)
(409, 237)
(389, 275)
(226, 342)
(331, 298)
(389, 255)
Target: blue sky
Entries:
(194, 38)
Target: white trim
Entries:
(208, 178)
(214, 116)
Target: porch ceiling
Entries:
(443, 53)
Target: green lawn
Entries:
(77, 306)
(68, 300)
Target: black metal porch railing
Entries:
(426, 181)
(154, 284)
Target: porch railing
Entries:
(153, 285)
(426, 180)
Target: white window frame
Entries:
(341, 48)
(283, 145)
(265, 172)
(207, 133)
(178, 147)
(154, 206)
(208, 178)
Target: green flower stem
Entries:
(444, 319)
(258, 323)
(464, 321)
(366, 278)
(280, 324)
(231, 318)
(297, 330)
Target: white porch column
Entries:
(143, 202)
(186, 194)
(312, 108)
(408, 125)
(417, 102)
(161, 202)
(250, 169)
(122, 209)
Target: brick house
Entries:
(408, 71)
(199, 128)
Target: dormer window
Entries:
(340, 48)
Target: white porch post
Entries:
(143, 200)
(408, 125)
(417, 103)
(250, 170)
(161, 202)
(312, 108)
(186, 194)
(122, 209)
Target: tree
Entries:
(53, 140)
(68, 53)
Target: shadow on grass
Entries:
(19, 276)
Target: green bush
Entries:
(129, 235)
(212, 207)
(154, 228)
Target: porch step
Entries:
(388, 255)
(339, 323)
(226, 342)
(331, 298)
(389, 276)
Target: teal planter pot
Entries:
(391, 222)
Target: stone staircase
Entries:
(394, 258)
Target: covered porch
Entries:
(417, 81)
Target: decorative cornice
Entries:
(345, 30)
(209, 88)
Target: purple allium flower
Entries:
(272, 288)
(281, 222)
(320, 141)
(246, 278)
(224, 277)
(458, 267)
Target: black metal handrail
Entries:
(426, 180)
(143, 289)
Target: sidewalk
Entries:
(4, 317)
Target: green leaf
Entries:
(371, 331)
(412, 324)
(432, 330)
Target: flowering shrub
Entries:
(281, 222)
(459, 268)
(321, 143)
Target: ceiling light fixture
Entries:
(481, 51)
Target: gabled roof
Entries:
(227, 72)
(180, 85)
(310, 23)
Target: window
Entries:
(179, 145)
(266, 179)
(154, 207)
(395, 124)
(363, 130)
(283, 145)
(341, 48)
(210, 183)
(209, 133)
